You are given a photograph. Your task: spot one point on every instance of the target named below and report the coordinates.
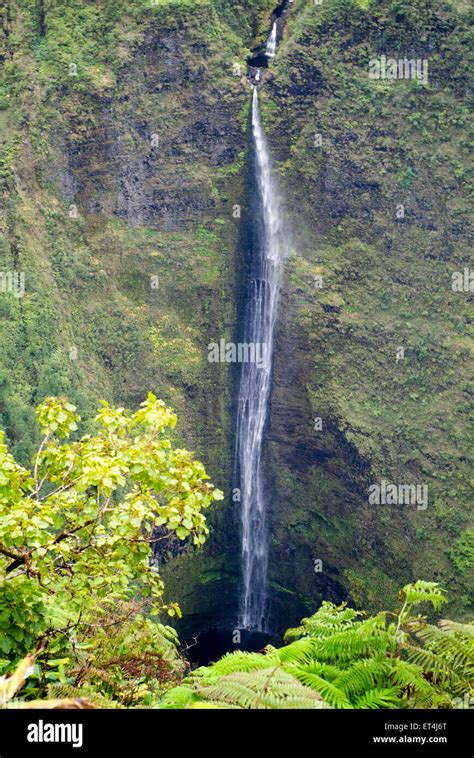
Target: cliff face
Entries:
(374, 177)
(127, 154)
(124, 159)
(119, 179)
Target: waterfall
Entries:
(272, 41)
(255, 381)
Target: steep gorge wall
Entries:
(148, 147)
(125, 152)
(386, 283)
(379, 210)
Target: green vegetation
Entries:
(386, 282)
(91, 212)
(77, 539)
(341, 659)
(338, 658)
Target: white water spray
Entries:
(255, 382)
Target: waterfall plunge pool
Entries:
(209, 646)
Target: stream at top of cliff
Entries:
(263, 54)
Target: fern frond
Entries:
(327, 690)
(433, 699)
(326, 670)
(362, 675)
(233, 662)
(328, 619)
(364, 639)
(266, 688)
(298, 652)
(386, 697)
(465, 630)
(408, 676)
(437, 669)
(178, 697)
(424, 592)
(456, 651)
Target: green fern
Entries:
(423, 592)
(384, 697)
(362, 676)
(457, 651)
(325, 622)
(464, 630)
(343, 660)
(328, 671)
(266, 688)
(301, 651)
(408, 677)
(439, 673)
(327, 690)
(446, 655)
(179, 698)
(365, 638)
(232, 662)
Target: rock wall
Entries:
(374, 176)
(127, 154)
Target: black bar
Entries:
(219, 732)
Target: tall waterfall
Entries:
(272, 41)
(255, 381)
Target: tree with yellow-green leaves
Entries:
(77, 532)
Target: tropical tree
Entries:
(78, 532)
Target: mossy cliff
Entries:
(125, 130)
(378, 205)
(126, 153)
